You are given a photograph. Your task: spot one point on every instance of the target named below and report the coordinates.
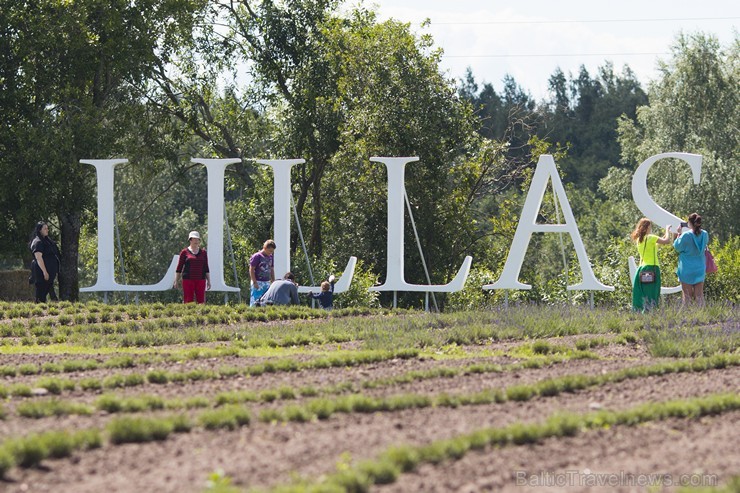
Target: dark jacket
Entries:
(326, 298)
(50, 255)
(282, 292)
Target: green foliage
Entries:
(20, 390)
(6, 461)
(582, 114)
(691, 341)
(28, 369)
(220, 483)
(386, 467)
(473, 296)
(269, 415)
(74, 96)
(115, 404)
(358, 294)
(27, 452)
(725, 283)
(55, 385)
(692, 108)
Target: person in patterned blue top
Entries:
(261, 271)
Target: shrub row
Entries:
(30, 450)
(400, 459)
(356, 358)
(323, 408)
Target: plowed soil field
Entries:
(331, 410)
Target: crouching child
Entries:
(326, 296)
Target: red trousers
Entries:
(194, 289)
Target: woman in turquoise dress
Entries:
(646, 295)
(690, 245)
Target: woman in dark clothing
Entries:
(45, 265)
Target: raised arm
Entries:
(666, 239)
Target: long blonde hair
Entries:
(641, 230)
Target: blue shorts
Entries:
(256, 293)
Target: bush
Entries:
(133, 430)
(228, 417)
(725, 283)
(6, 461)
(158, 376)
(473, 296)
(28, 451)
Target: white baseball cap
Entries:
(194, 234)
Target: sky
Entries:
(529, 39)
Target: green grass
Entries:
(116, 404)
(127, 337)
(337, 360)
(666, 332)
(687, 341)
(151, 325)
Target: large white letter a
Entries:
(509, 279)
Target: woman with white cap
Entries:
(192, 270)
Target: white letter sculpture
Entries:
(106, 281)
(281, 200)
(106, 268)
(509, 279)
(394, 278)
(647, 205)
(216, 170)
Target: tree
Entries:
(509, 117)
(71, 69)
(693, 107)
(284, 41)
(582, 116)
(396, 102)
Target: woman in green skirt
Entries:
(646, 284)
